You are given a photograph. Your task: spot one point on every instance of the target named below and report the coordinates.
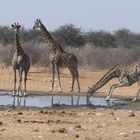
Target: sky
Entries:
(109, 15)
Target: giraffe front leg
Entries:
(15, 80)
(53, 76)
(111, 90)
(25, 80)
(135, 99)
(58, 76)
(19, 87)
(114, 87)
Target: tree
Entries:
(100, 39)
(125, 38)
(69, 35)
(6, 35)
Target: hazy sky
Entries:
(107, 15)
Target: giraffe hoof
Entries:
(51, 90)
(24, 94)
(20, 94)
(107, 98)
(60, 91)
(17, 94)
(134, 100)
(14, 93)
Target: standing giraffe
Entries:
(127, 76)
(20, 62)
(59, 58)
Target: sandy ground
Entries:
(121, 122)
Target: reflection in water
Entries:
(19, 101)
(61, 99)
(50, 100)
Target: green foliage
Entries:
(101, 39)
(69, 35)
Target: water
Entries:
(49, 101)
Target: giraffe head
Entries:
(37, 24)
(16, 27)
(91, 91)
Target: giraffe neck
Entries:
(113, 73)
(19, 49)
(49, 40)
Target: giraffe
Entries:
(59, 58)
(20, 62)
(126, 74)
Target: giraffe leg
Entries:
(53, 76)
(113, 87)
(25, 80)
(73, 80)
(20, 80)
(77, 78)
(75, 75)
(138, 90)
(58, 75)
(78, 84)
(15, 80)
(14, 99)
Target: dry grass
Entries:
(88, 55)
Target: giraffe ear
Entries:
(19, 26)
(12, 25)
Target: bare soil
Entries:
(121, 122)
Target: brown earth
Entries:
(121, 122)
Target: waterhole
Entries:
(49, 101)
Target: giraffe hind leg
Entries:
(77, 77)
(78, 84)
(73, 81)
(73, 78)
(138, 90)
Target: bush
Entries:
(6, 54)
(105, 58)
(88, 55)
